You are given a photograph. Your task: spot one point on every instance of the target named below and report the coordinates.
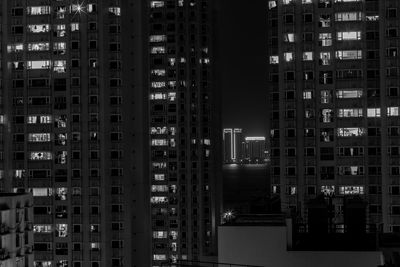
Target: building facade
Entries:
(333, 77)
(254, 149)
(228, 144)
(68, 127)
(184, 131)
(232, 145)
(16, 230)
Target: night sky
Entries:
(242, 50)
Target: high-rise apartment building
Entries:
(334, 105)
(68, 125)
(16, 230)
(184, 131)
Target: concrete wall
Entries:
(266, 246)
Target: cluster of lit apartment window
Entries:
(169, 72)
(45, 53)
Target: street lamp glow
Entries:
(228, 215)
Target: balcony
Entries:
(28, 249)
(4, 254)
(4, 229)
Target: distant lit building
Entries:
(253, 149)
(232, 142)
(228, 145)
(16, 230)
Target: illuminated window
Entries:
(158, 96)
(172, 96)
(159, 142)
(60, 66)
(288, 37)
(373, 112)
(286, 2)
(328, 189)
(349, 54)
(159, 165)
(59, 47)
(326, 96)
(308, 94)
(43, 228)
(41, 46)
(60, 12)
(171, 61)
(272, 4)
(157, 50)
(38, 10)
(61, 193)
(326, 115)
(274, 60)
(306, 1)
(38, 28)
(115, 10)
(157, 84)
(349, 93)
(324, 20)
(350, 112)
(42, 192)
(155, 4)
(159, 177)
(60, 30)
(325, 39)
(158, 38)
(40, 156)
(160, 234)
(159, 200)
(291, 190)
(349, 36)
(392, 111)
(61, 157)
(15, 47)
(74, 27)
(38, 64)
(288, 56)
(308, 56)
(159, 257)
(159, 188)
(91, 8)
(61, 230)
(325, 58)
(348, 16)
(351, 190)
(95, 246)
(158, 72)
(39, 137)
(350, 132)
(372, 17)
